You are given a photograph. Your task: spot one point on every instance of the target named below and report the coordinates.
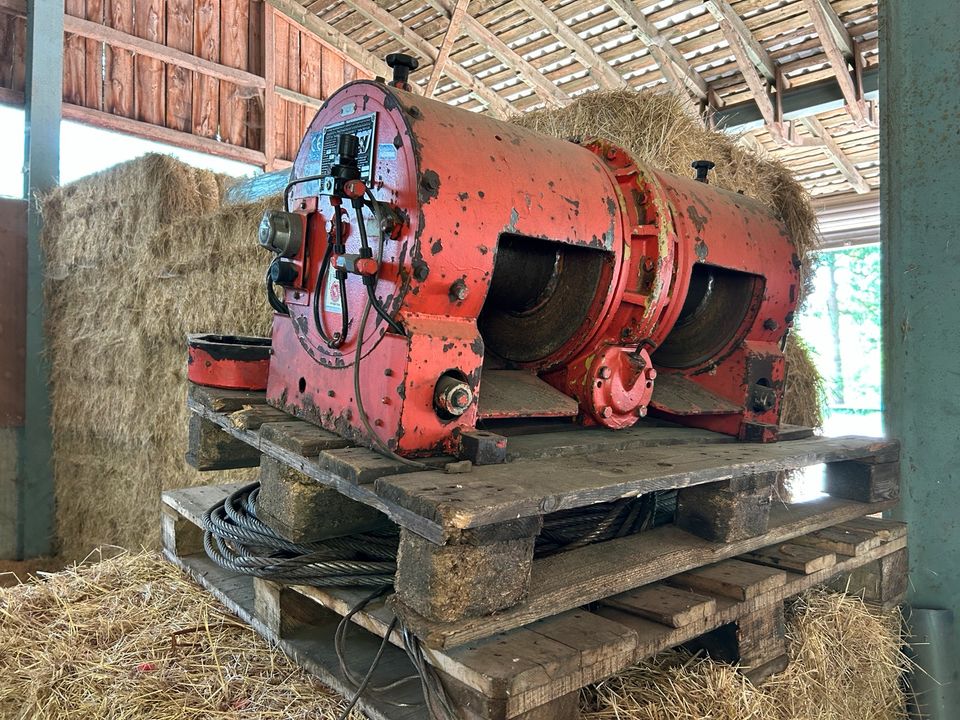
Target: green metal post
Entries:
(920, 206)
(35, 501)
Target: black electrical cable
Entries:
(371, 285)
(318, 292)
(290, 185)
(373, 666)
(275, 302)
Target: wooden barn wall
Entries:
(13, 43)
(181, 97)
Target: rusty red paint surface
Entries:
(458, 183)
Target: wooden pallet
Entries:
(488, 518)
(534, 672)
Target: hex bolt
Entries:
(770, 324)
(606, 412)
(459, 291)
(642, 411)
(604, 373)
(452, 396)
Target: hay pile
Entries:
(137, 256)
(846, 662)
(130, 637)
(655, 128)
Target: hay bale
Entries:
(846, 662)
(131, 637)
(138, 256)
(655, 128)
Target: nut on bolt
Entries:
(452, 396)
(604, 373)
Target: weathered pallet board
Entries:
(550, 658)
(571, 579)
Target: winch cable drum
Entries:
(478, 245)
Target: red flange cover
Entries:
(234, 362)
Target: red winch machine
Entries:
(438, 272)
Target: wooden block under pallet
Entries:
(210, 448)
(729, 510)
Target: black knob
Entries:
(402, 65)
(283, 271)
(702, 167)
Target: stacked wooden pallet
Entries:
(726, 564)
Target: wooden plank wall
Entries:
(13, 43)
(101, 80)
(304, 65)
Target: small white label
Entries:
(386, 151)
(348, 109)
(332, 302)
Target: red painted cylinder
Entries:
(501, 249)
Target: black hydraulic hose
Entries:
(275, 302)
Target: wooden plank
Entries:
(526, 70)
(731, 578)
(118, 92)
(206, 90)
(210, 448)
(842, 540)
(269, 51)
(333, 74)
(729, 18)
(224, 400)
(292, 81)
(594, 572)
(234, 21)
(333, 38)
(281, 34)
(94, 84)
(147, 131)
(792, 556)
(179, 111)
(664, 604)
(412, 40)
(313, 69)
(74, 58)
(827, 29)
(446, 45)
(301, 437)
(495, 493)
(310, 104)
(255, 63)
(600, 70)
(149, 73)
(251, 418)
(836, 154)
(123, 40)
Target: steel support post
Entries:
(44, 75)
(919, 156)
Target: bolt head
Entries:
(604, 373)
(642, 411)
(606, 412)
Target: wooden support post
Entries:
(299, 509)
(178, 535)
(729, 510)
(477, 573)
(882, 582)
(762, 643)
(864, 480)
(283, 610)
(210, 448)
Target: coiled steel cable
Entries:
(235, 539)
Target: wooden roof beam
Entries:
(836, 154)
(601, 71)
(449, 38)
(541, 85)
(839, 50)
(419, 45)
(331, 36)
(671, 61)
(759, 57)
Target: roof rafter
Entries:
(330, 35)
(829, 28)
(600, 70)
(833, 151)
(449, 38)
(415, 42)
(672, 64)
(724, 14)
(545, 89)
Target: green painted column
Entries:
(920, 206)
(35, 499)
